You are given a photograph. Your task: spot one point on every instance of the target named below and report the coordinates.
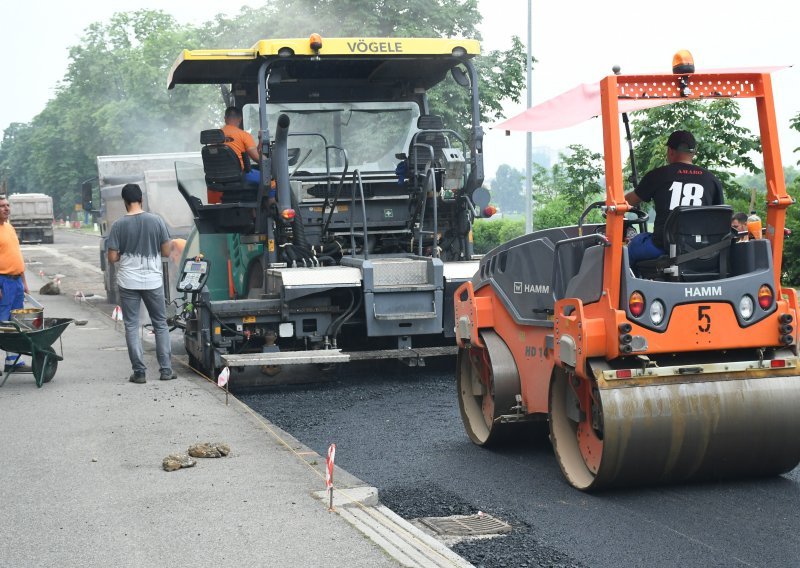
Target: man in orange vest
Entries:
(241, 141)
(13, 285)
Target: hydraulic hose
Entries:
(299, 229)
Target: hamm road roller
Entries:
(682, 368)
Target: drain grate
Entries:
(480, 524)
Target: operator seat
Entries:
(233, 203)
(223, 169)
(698, 241)
(427, 143)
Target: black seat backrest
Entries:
(425, 142)
(689, 229)
(220, 162)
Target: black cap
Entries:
(132, 193)
(682, 141)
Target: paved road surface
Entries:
(402, 432)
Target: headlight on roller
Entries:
(746, 306)
(656, 312)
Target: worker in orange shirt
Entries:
(13, 285)
(242, 142)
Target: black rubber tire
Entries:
(49, 369)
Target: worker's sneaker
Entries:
(137, 378)
(168, 376)
(18, 368)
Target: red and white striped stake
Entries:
(222, 381)
(116, 315)
(329, 474)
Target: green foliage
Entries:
(758, 183)
(542, 182)
(488, 233)
(722, 145)
(113, 97)
(795, 123)
(578, 177)
(556, 211)
(564, 191)
(791, 246)
(507, 190)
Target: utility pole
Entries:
(528, 136)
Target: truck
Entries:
(32, 217)
(155, 174)
(360, 229)
(684, 367)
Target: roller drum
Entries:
(696, 430)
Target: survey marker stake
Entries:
(329, 475)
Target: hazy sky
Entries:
(575, 41)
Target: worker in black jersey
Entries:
(678, 184)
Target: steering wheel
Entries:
(641, 218)
(629, 224)
(637, 224)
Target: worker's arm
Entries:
(165, 248)
(24, 283)
(253, 153)
(632, 198)
(113, 256)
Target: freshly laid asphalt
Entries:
(81, 480)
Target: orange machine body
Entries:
(633, 371)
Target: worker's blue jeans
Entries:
(13, 298)
(253, 176)
(642, 247)
(130, 300)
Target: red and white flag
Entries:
(116, 313)
(329, 469)
(224, 375)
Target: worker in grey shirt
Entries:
(137, 242)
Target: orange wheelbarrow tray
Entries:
(38, 343)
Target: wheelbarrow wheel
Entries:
(44, 366)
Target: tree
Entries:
(581, 172)
(791, 246)
(563, 192)
(507, 189)
(113, 99)
(500, 73)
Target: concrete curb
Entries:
(399, 538)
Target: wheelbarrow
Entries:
(38, 343)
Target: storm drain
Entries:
(480, 524)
